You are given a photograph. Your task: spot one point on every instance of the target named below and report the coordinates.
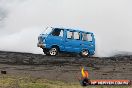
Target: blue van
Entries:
(56, 40)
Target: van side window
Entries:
(57, 32)
(86, 37)
(76, 35)
(89, 37)
(69, 34)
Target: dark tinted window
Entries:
(57, 32)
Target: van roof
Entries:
(71, 29)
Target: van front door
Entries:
(56, 38)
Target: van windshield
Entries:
(47, 30)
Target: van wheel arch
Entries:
(55, 46)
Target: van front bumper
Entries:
(41, 45)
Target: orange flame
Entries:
(84, 73)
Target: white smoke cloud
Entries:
(23, 41)
(110, 21)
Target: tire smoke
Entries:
(21, 21)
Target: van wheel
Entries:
(53, 51)
(84, 53)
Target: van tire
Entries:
(84, 53)
(53, 51)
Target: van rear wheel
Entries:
(84, 53)
(53, 51)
